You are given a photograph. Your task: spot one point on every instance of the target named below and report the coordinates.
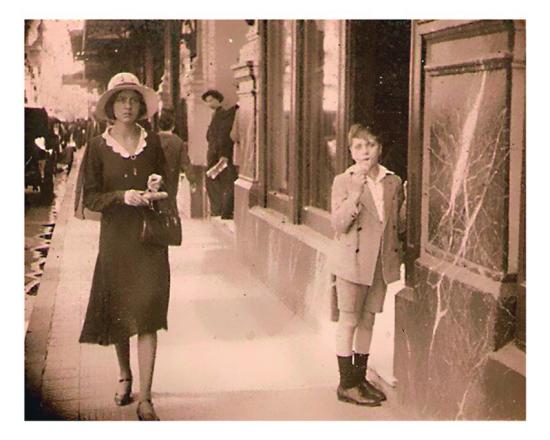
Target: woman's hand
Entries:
(153, 182)
(133, 197)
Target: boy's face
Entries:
(365, 151)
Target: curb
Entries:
(38, 332)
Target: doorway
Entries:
(380, 84)
(379, 98)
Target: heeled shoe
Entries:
(147, 416)
(126, 397)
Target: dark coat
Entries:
(218, 136)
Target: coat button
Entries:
(356, 251)
(359, 228)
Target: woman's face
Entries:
(126, 106)
(365, 150)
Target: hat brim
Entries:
(149, 96)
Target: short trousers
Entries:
(360, 298)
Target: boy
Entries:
(368, 211)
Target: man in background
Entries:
(221, 173)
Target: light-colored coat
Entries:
(359, 240)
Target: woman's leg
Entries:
(123, 358)
(147, 349)
(124, 387)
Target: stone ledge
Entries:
(511, 357)
(299, 232)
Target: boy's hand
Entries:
(364, 166)
(358, 181)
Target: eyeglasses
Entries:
(127, 99)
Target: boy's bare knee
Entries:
(349, 318)
(367, 320)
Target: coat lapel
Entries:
(389, 190)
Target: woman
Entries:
(131, 283)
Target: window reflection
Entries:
(324, 107)
(281, 103)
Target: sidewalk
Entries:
(232, 351)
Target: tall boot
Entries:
(348, 389)
(367, 388)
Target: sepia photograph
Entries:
(274, 219)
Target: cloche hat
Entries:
(127, 81)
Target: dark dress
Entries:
(131, 283)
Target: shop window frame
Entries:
(314, 217)
(283, 202)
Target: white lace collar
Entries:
(118, 148)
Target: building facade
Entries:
(449, 97)
(449, 100)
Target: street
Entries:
(39, 225)
(232, 351)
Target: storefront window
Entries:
(280, 103)
(323, 91)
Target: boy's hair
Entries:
(166, 120)
(214, 94)
(361, 131)
(109, 106)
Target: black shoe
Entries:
(126, 397)
(370, 390)
(360, 366)
(348, 390)
(356, 396)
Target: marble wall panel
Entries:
(468, 152)
(445, 333)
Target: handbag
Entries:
(161, 224)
